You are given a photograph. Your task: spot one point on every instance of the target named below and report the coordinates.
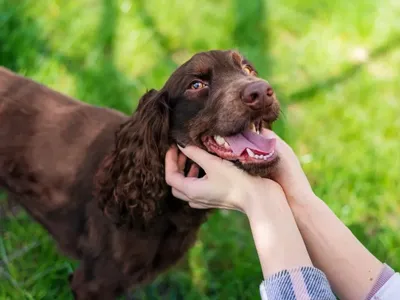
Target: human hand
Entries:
(289, 173)
(224, 186)
(276, 236)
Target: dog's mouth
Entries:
(253, 145)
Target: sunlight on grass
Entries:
(335, 66)
(198, 267)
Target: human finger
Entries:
(204, 159)
(173, 176)
(197, 205)
(181, 162)
(171, 159)
(193, 171)
(178, 194)
(192, 204)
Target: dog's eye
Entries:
(196, 85)
(248, 70)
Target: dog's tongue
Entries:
(250, 139)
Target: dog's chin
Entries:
(264, 170)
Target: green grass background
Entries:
(335, 66)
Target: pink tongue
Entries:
(251, 140)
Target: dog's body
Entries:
(50, 149)
(62, 159)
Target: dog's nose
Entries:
(258, 95)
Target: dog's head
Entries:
(218, 102)
(215, 101)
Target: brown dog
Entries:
(62, 159)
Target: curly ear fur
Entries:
(130, 181)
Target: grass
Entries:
(335, 67)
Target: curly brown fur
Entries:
(134, 171)
(94, 177)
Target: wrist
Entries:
(262, 197)
(293, 180)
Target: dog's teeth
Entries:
(226, 145)
(249, 152)
(269, 155)
(257, 156)
(219, 139)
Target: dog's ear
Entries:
(130, 182)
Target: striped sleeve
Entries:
(303, 283)
(390, 290)
(387, 286)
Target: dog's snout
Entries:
(257, 94)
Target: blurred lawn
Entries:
(335, 65)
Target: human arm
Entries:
(277, 239)
(288, 271)
(351, 269)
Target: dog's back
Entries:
(46, 139)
